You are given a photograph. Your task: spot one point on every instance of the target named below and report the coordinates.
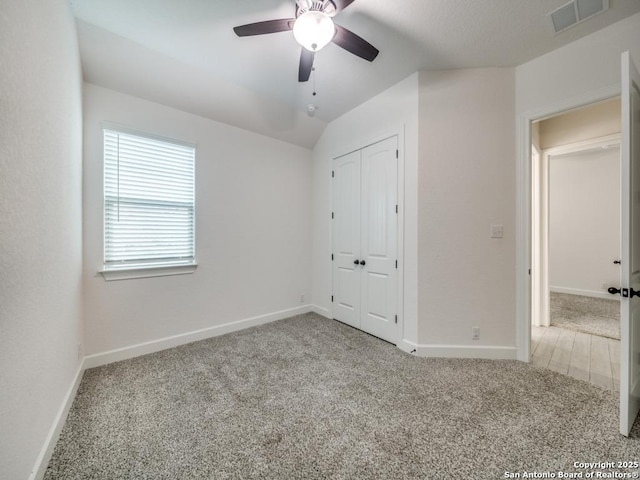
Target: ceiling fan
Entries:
(313, 28)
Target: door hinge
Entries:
(333, 173)
(396, 318)
(397, 154)
(332, 215)
(529, 271)
(332, 257)
(396, 263)
(396, 208)
(331, 298)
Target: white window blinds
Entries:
(149, 214)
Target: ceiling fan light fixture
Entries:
(314, 30)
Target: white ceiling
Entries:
(185, 54)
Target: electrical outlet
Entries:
(475, 333)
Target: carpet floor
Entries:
(595, 316)
(310, 398)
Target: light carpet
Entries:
(310, 398)
(595, 316)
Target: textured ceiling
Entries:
(184, 53)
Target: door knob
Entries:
(626, 292)
(356, 261)
(617, 262)
(363, 263)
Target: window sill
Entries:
(145, 272)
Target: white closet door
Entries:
(365, 230)
(379, 240)
(346, 239)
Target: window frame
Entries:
(160, 268)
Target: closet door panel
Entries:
(346, 238)
(379, 239)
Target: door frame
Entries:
(359, 144)
(537, 235)
(524, 220)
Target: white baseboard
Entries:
(321, 311)
(487, 352)
(44, 456)
(99, 359)
(407, 346)
(584, 293)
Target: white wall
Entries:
(584, 221)
(393, 110)
(40, 225)
(467, 168)
(253, 232)
(588, 65)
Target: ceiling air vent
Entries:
(575, 12)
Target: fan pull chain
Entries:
(311, 107)
(313, 71)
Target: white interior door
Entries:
(630, 222)
(364, 237)
(379, 240)
(346, 239)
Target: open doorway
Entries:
(575, 325)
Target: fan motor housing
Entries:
(326, 6)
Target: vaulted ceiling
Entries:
(185, 54)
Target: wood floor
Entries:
(585, 357)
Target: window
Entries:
(149, 205)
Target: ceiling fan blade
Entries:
(261, 28)
(306, 64)
(342, 4)
(354, 44)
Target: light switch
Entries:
(496, 231)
